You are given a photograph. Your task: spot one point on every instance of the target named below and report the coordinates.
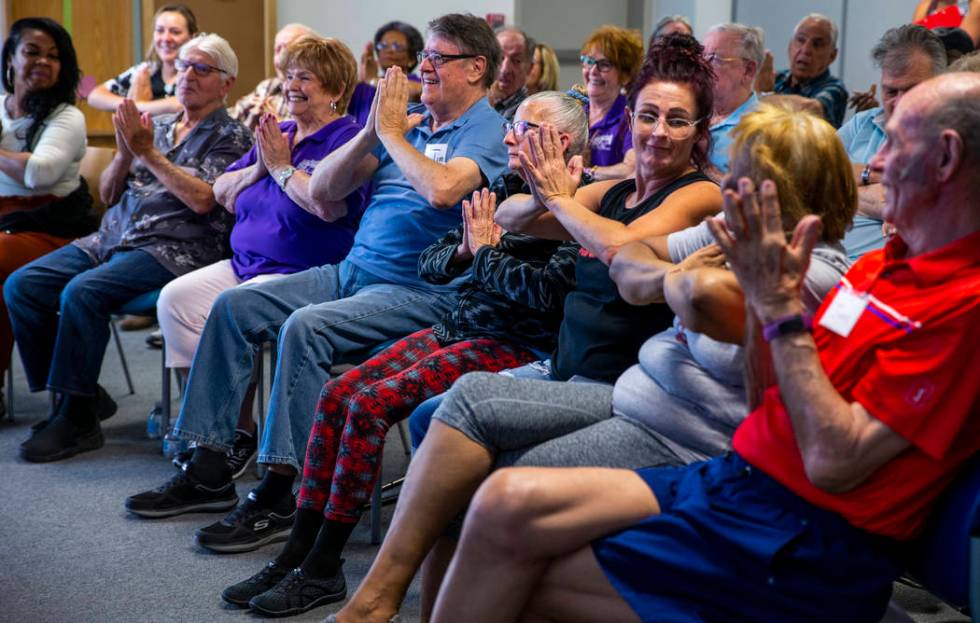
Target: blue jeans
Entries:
(59, 308)
(320, 317)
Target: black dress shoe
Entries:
(60, 439)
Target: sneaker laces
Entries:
(244, 511)
(178, 479)
(292, 579)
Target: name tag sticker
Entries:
(844, 311)
(437, 152)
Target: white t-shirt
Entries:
(55, 156)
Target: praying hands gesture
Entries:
(545, 169)
(139, 85)
(273, 145)
(769, 270)
(368, 68)
(479, 228)
(391, 118)
(134, 132)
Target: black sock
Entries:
(323, 560)
(301, 538)
(80, 410)
(209, 466)
(275, 490)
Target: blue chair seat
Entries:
(143, 305)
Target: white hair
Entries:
(751, 41)
(217, 48)
(820, 17)
(567, 114)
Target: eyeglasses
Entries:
(394, 47)
(599, 63)
(200, 69)
(438, 59)
(675, 127)
(519, 128)
(717, 59)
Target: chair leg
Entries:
(122, 356)
(10, 389)
(376, 512)
(406, 445)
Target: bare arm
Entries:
(192, 191)
(619, 171)
(707, 300)
(639, 272)
(971, 22)
(527, 215)
(840, 442)
(112, 182)
(334, 177)
(101, 98)
(229, 185)
(13, 164)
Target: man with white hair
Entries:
(162, 224)
(269, 95)
(735, 52)
(811, 51)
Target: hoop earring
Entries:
(10, 75)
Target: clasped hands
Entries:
(272, 150)
(770, 269)
(134, 132)
(389, 111)
(544, 167)
(479, 228)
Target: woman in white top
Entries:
(152, 83)
(43, 203)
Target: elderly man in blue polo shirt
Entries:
(420, 165)
(907, 55)
(736, 52)
(812, 49)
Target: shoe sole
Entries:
(203, 507)
(85, 444)
(316, 603)
(239, 548)
(241, 470)
(237, 602)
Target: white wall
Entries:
(354, 23)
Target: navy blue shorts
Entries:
(732, 544)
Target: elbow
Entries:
(828, 475)
(442, 199)
(202, 205)
(323, 189)
(329, 211)
(507, 220)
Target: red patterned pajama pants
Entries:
(356, 409)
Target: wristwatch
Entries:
(866, 175)
(282, 176)
(787, 325)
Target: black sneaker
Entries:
(182, 458)
(240, 594)
(60, 439)
(242, 452)
(298, 593)
(105, 408)
(182, 494)
(248, 527)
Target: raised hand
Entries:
(765, 80)
(367, 70)
(863, 100)
(273, 144)
(139, 84)
(545, 169)
(480, 230)
(134, 130)
(391, 116)
(769, 270)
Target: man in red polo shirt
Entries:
(874, 414)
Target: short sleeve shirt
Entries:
(272, 234)
(398, 222)
(862, 136)
(610, 138)
(160, 89)
(267, 96)
(150, 217)
(911, 361)
(721, 134)
(826, 89)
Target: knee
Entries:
(82, 292)
(503, 511)
(17, 286)
(301, 326)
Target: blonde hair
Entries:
(802, 154)
(623, 48)
(331, 62)
(548, 80)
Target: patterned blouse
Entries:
(267, 96)
(514, 291)
(150, 217)
(160, 89)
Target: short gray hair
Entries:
(966, 63)
(820, 17)
(567, 114)
(529, 42)
(752, 40)
(895, 48)
(217, 48)
(670, 19)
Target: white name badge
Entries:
(437, 152)
(844, 311)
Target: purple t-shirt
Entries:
(272, 234)
(610, 138)
(360, 101)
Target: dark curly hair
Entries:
(678, 58)
(39, 104)
(412, 35)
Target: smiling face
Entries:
(394, 50)
(201, 92)
(36, 62)
(599, 84)
(169, 33)
(658, 153)
(894, 84)
(444, 85)
(306, 95)
(513, 70)
(810, 50)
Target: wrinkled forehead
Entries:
(814, 29)
(443, 45)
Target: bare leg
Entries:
(520, 522)
(433, 571)
(431, 496)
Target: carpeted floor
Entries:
(70, 552)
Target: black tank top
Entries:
(601, 334)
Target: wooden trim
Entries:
(269, 15)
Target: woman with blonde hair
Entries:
(544, 70)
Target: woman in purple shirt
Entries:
(611, 58)
(278, 229)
